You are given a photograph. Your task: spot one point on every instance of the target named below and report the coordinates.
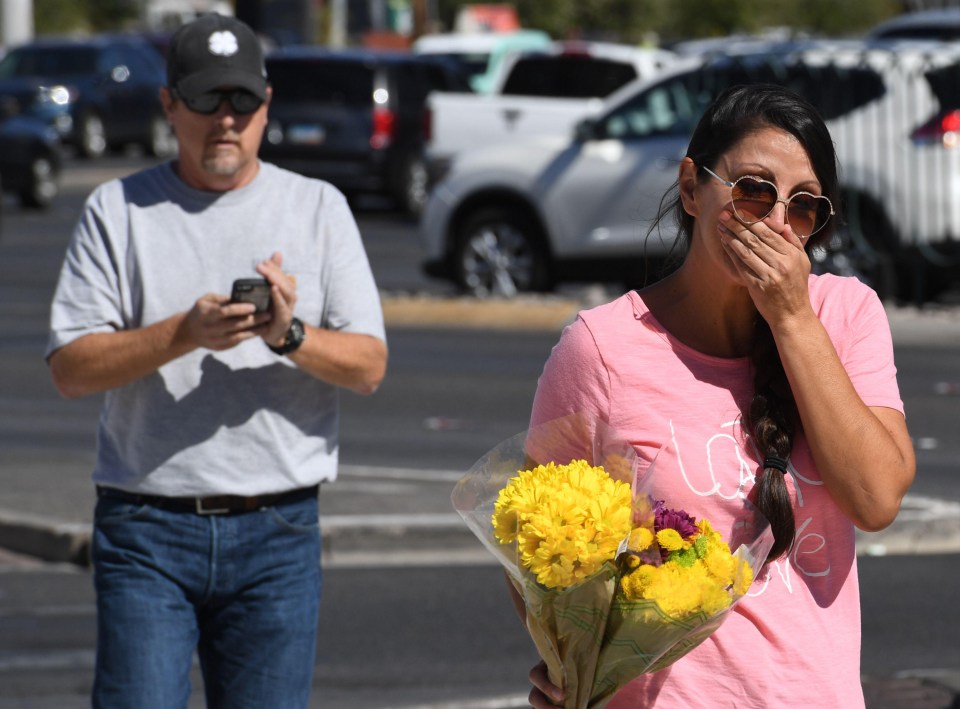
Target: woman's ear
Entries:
(687, 183)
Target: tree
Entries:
(635, 20)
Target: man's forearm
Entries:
(349, 360)
(102, 361)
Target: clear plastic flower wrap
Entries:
(615, 582)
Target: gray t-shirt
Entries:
(243, 421)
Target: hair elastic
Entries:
(775, 463)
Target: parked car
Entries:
(940, 24)
(526, 216)
(480, 55)
(537, 92)
(30, 160)
(356, 118)
(98, 92)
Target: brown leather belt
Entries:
(215, 505)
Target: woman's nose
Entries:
(777, 218)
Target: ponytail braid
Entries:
(772, 418)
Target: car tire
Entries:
(44, 184)
(162, 142)
(500, 252)
(91, 136)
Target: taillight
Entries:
(943, 129)
(384, 121)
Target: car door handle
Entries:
(511, 116)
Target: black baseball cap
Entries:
(215, 51)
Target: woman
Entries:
(771, 385)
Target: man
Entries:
(219, 420)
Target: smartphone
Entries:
(251, 290)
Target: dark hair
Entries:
(772, 414)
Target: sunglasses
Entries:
(241, 101)
(753, 199)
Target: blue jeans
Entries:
(242, 590)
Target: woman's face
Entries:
(769, 153)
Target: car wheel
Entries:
(162, 143)
(414, 186)
(44, 184)
(92, 137)
(500, 252)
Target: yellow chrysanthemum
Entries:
(640, 539)
(699, 575)
(744, 578)
(671, 540)
(566, 520)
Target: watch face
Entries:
(295, 333)
(293, 339)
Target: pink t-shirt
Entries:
(794, 641)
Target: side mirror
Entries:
(585, 130)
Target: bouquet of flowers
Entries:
(614, 582)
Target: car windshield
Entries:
(337, 83)
(45, 61)
(571, 76)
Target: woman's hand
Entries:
(773, 265)
(545, 694)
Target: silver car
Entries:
(526, 216)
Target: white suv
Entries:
(526, 216)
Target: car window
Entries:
(940, 33)
(49, 61)
(469, 64)
(673, 106)
(570, 76)
(945, 83)
(669, 108)
(111, 61)
(834, 88)
(139, 64)
(336, 83)
(442, 76)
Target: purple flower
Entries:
(679, 520)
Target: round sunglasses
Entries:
(753, 199)
(241, 101)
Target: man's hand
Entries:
(283, 296)
(217, 324)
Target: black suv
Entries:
(98, 92)
(356, 118)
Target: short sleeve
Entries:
(88, 295)
(857, 323)
(352, 300)
(574, 385)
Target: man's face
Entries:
(217, 151)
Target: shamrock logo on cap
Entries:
(223, 43)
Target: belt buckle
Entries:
(201, 510)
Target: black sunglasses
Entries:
(241, 101)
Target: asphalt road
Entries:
(392, 634)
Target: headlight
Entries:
(59, 95)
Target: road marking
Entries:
(513, 701)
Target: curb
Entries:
(45, 539)
(539, 313)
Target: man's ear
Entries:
(166, 100)
(687, 183)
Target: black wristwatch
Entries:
(292, 340)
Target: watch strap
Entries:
(292, 340)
